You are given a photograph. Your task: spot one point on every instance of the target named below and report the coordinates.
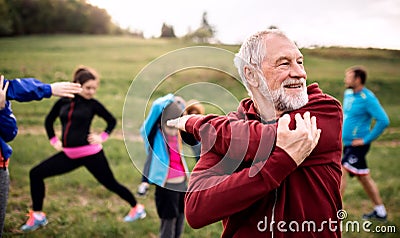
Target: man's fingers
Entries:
(65, 89)
(70, 88)
(178, 123)
(283, 123)
(65, 94)
(5, 86)
(307, 120)
(172, 122)
(299, 121)
(3, 93)
(75, 87)
(313, 124)
(68, 95)
(316, 139)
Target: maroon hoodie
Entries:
(258, 197)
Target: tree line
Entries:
(203, 34)
(24, 17)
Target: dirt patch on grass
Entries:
(392, 144)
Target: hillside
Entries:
(78, 207)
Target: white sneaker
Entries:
(143, 188)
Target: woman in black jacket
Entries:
(78, 147)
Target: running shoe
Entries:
(374, 215)
(34, 222)
(143, 188)
(135, 213)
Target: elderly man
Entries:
(259, 186)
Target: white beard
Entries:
(284, 102)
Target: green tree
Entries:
(20, 17)
(6, 22)
(167, 31)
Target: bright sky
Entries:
(355, 23)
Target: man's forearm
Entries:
(28, 89)
(233, 138)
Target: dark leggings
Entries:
(59, 164)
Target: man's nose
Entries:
(298, 71)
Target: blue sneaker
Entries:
(34, 223)
(135, 213)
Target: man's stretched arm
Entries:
(214, 195)
(376, 110)
(228, 136)
(29, 89)
(239, 139)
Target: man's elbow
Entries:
(195, 215)
(193, 221)
(386, 122)
(10, 135)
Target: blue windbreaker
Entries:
(157, 162)
(22, 90)
(359, 110)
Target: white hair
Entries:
(252, 52)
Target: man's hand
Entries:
(179, 123)
(300, 142)
(65, 89)
(3, 92)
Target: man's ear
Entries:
(251, 76)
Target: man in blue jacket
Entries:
(360, 107)
(22, 90)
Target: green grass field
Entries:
(77, 206)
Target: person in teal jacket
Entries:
(360, 108)
(156, 167)
(21, 90)
(165, 165)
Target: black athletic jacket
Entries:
(76, 116)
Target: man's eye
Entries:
(284, 63)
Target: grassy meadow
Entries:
(77, 206)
